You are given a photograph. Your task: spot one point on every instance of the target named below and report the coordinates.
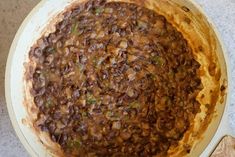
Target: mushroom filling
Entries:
(114, 79)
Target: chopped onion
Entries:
(108, 10)
(130, 92)
(131, 74)
(123, 44)
(131, 58)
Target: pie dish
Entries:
(185, 18)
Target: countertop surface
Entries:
(13, 12)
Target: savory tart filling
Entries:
(115, 79)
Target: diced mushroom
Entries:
(106, 99)
(130, 92)
(123, 44)
(131, 74)
(116, 125)
(132, 58)
(125, 135)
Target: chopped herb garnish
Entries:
(152, 76)
(99, 10)
(74, 28)
(81, 67)
(158, 60)
(48, 104)
(70, 144)
(90, 99)
(135, 105)
(75, 143)
(108, 114)
(112, 115)
(115, 117)
(84, 114)
(166, 100)
(126, 118)
(94, 60)
(51, 49)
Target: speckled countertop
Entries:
(12, 13)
